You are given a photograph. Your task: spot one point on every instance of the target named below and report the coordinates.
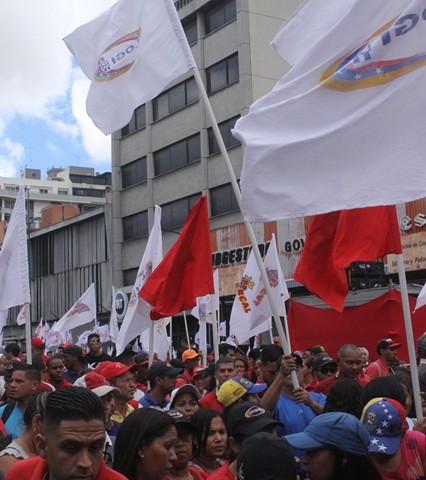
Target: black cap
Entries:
(322, 360)
(386, 343)
(73, 350)
(266, 457)
(158, 369)
(248, 418)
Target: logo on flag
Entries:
(118, 58)
(247, 282)
(78, 308)
(370, 64)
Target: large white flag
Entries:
(14, 276)
(243, 305)
(131, 53)
(261, 308)
(137, 317)
(20, 319)
(421, 299)
(161, 341)
(344, 128)
(82, 312)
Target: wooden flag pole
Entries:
(186, 329)
(247, 224)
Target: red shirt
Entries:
(377, 369)
(183, 378)
(325, 385)
(210, 401)
(63, 384)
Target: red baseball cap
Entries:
(114, 369)
(37, 342)
(197, 371)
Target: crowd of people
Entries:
(86, 415)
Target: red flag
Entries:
(337, 239)
(186, 271)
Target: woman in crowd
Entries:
(184, 451)
(24, 446)
(345, 396)
(336, 448)
(144, 447)
(185, 400)
(210, 439)
(241, 365)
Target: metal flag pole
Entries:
(247, 224)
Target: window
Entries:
(174, 214)
(190, 29)
(174, 156)
(13, 188)
(135, 226)
(219, 15)
(137, 122)
(222, 200)
(43, 190)
(175, 98)
(222, 73)
(9, 203)
(129, 276)
(133, 173)
(88, 192)
(228, 139)
(62, 192)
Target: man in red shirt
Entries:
(224, 370)
(55, 371)
(349, 362)
(386, 349)
(190, 359)
(72, 442)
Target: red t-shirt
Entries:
(325, 385)
(210, 401)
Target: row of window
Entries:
(181, 153)
(173, 214)
(220, 75)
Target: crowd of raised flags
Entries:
(339, 139)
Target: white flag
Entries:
(20, 319)
(131, 53)
(161, 341)
(243, 304)
(113, 321)
(39, 331)
(82, 312)
(261, 308)
(208, 305)
(82, 338)
(102, 331)
(137, 317)
(222, 329)
(53, 338)
(349, 112)
(421, 299)
(14, 276)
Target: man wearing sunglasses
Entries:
(324, 367)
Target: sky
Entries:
(43, 120)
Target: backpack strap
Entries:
(10, 405)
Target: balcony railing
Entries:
(181, 3)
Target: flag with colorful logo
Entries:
(130, 53)
(343, 128)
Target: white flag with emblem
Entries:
(83, 311)
(130, 53)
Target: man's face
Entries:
(389, 355)
(269, 370)
(167, 382)
(69, 360)
(126, 384)
(56, 370)
(190, 364)
(230, 353)
(95, 345)
(74, 450)
(20, 387)
(350, 363)
(224, 372)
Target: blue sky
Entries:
(43, 122)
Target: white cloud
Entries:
(37, 71)
(11, 154)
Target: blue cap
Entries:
(235, 388)
(335, 429)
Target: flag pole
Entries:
(151, 344)
(286, 323)
(186, 329)
(215, 335)
(409, 335)
(171, 338)
(248, 225)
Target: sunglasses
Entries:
(326, 370)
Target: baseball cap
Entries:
(386, 343)
(114, 369)
(95, 382)
(186, 388)
(334, 429)
(158, 369)
(385, 422)
(142, 358)
(197, 371)
(322, 360)
(37, 342)
(316, 349)
(189, 355)
(266, 457)
(235, 388)
(248, 418)
(73, 350)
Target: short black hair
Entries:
(74, 403)
(13, 348)
(224, 347)
(54, 357)
(31, 373)
(271, 353)
(93, 335)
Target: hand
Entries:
(288, 364)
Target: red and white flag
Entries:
(83, 311)
(130, 53)
(20, 319)
(14, 274)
